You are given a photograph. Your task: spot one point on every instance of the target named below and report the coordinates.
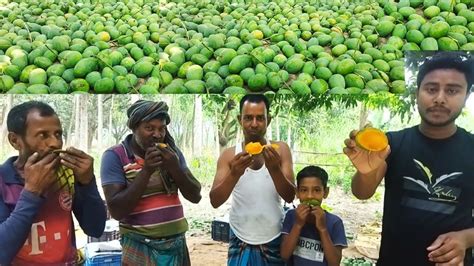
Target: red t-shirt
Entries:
(51, 237)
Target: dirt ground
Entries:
(361, 221)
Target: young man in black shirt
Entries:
(429, 173)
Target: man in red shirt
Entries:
(39, 188)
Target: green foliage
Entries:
(199, 224)
(398, 105)
(377, 196)
(203, 168)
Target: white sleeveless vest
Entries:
(256, 212)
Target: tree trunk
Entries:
(197, 132)
(269, 131)
(193, 130)
(4, 130)
(69, 129)
(238, 137)
(91, 120)
(74, 138)
(227, 131)
(84, 123)
(278, 137)
(364, 114)
(219, 148)
(289, 135)
(111, 112)
(91, 134)
(100, 121)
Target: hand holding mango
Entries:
(371, 139)
(161, 145)
(80, 163)
(367, 149)
(254, 148)
(58, 151)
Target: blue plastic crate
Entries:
(106, 236)
(111, 232)
(220, 230)
(105, 260)
(99, 253)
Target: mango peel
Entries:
(311, 202)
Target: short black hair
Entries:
(312, 171)
(16, 119)
(459, 61)
(255, 98)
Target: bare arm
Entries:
(332, 253)
(450, 248)
(184, 179)
(469, 234)
(122, 199)
(187, 184)
(290, 241)
(280, 166)
(364, 185)
(229, 169)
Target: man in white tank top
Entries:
(257, 184)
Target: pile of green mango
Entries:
(356, 262)
(297, 47)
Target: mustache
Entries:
(44, 153)
(155, 141)
(438, 109)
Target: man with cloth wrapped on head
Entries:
(141, 177)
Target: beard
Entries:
(141, 144)
(28, 151)
(439, 123)
(145, 144)
(255, 136)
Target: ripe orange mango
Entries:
(371, 139)
(161, 145)
(255, 148)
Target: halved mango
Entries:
(371, 139)
(254, 148)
